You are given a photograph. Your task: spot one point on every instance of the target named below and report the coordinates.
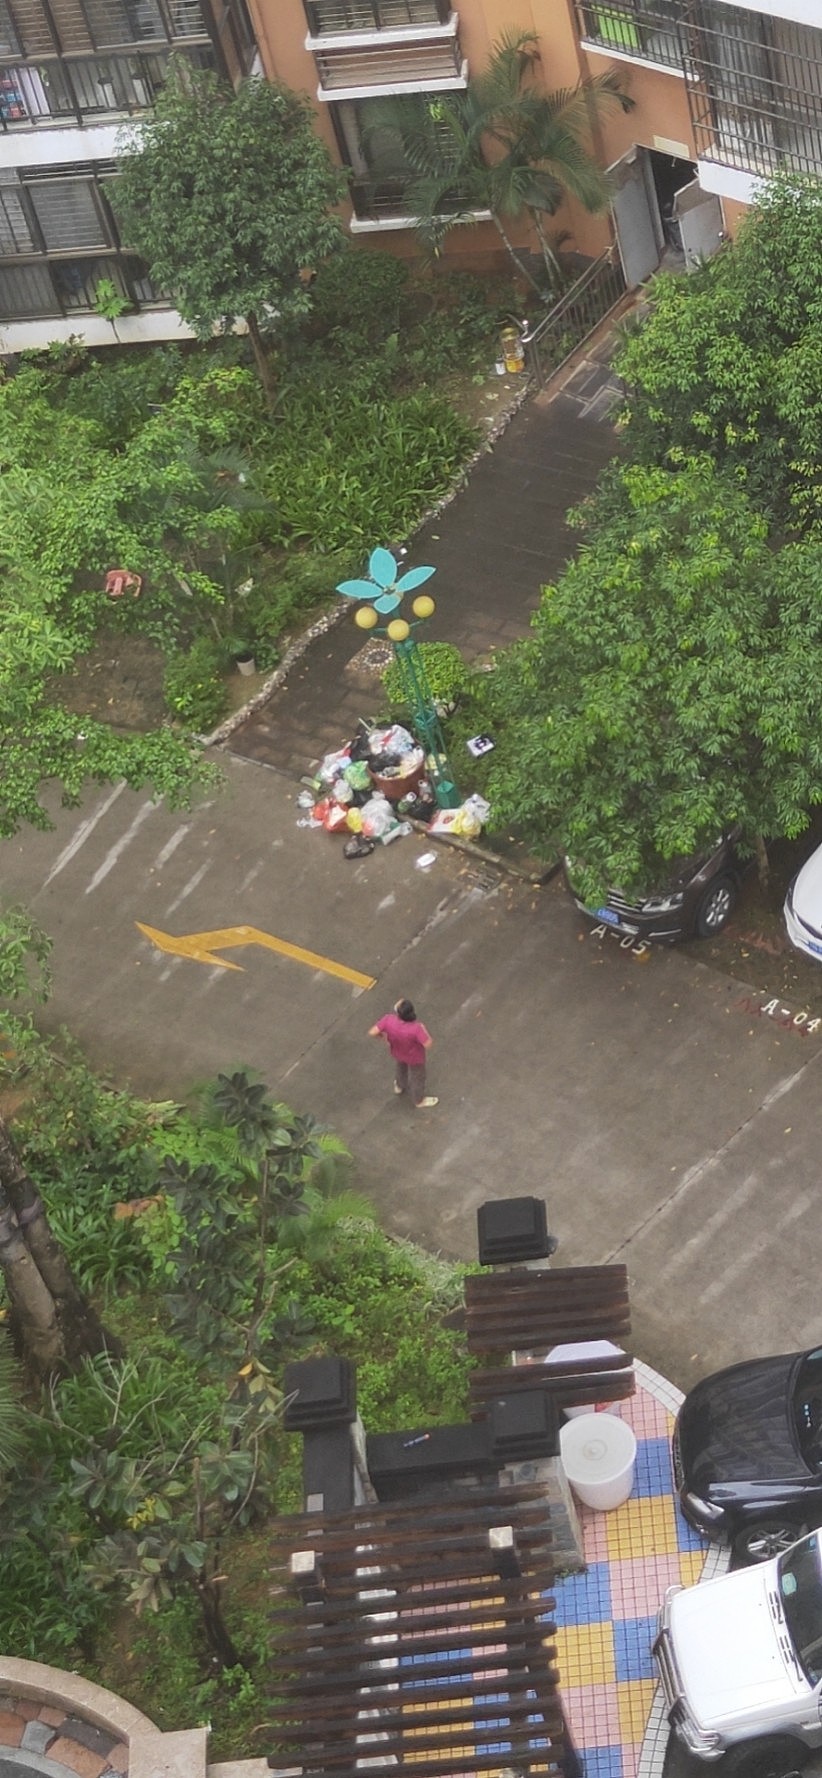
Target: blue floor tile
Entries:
(601, 1762)
(633, 1637)
(584, 1598)
(653, 1473)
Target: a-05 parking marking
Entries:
(637, 946)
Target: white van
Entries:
(740, 1659)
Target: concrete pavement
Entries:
(663, 1122)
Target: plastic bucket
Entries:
(598, 1454)
(396, 788)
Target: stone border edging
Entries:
(471, 849)
(41, 1684)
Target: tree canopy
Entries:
(228, 197)
(729, 359)
(671, 685)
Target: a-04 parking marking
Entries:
(805, 1024)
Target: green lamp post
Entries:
(385, 593)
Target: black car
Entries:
(747, 1453)
(696, 902)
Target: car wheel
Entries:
(716, 907)
(767, 1538)
(771, 1756)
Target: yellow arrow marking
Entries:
(201, 946)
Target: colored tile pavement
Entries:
(606, 1617)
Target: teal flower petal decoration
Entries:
(387, 602)
(382, 568)
(356, 589)
(414, 577)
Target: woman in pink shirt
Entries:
(408, 1041)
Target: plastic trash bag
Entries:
(334, 765)
(357, 775)
(377, 817)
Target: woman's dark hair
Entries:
(405, 1011)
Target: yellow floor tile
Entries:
(642, 1527)
(691, 1564)
(634, 1699)
(585, 1654)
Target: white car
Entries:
(740, 1661)
(803, 907)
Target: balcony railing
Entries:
(648, 33)
(327, 18)
(575, 316)
(412, 65)
(81, 88)
(43, 289)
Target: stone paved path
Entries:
(494, 547)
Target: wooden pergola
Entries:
(531, 1311)
(418, 1634)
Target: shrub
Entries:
(357, 300)
(448, 675)
(192, 686)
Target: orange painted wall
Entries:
(659, 118)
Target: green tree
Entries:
(503, 145)
(25, 950)
(227, 195)
(54, 1325)
(671, 686)
(260, 1185)
(729, 360)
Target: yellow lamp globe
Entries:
(365, 617)
(423, 606)
(399, 630)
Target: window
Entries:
(758, 100)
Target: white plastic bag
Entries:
(334, 765)
(377, 816)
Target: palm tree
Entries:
(504, 146)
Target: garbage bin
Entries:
(404, 783)
(598, 1453)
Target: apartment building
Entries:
(723, 94)
(72, 74)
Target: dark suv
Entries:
(696, 902)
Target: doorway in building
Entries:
(661, 213)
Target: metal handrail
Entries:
(598, 290)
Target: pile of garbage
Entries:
(375, 787)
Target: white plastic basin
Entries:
(598, 1453)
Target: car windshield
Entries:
(807, 1409)
(800, 1589)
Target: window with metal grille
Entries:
(757, 99)
(26, 291)
(15, 232)
(9, 40)
(68, 214)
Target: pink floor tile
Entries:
(648, 1417)
(594, 1534)
(593, 1713)
(638, 1585)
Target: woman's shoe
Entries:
(424, 1104)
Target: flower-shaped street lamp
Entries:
(385, 593)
